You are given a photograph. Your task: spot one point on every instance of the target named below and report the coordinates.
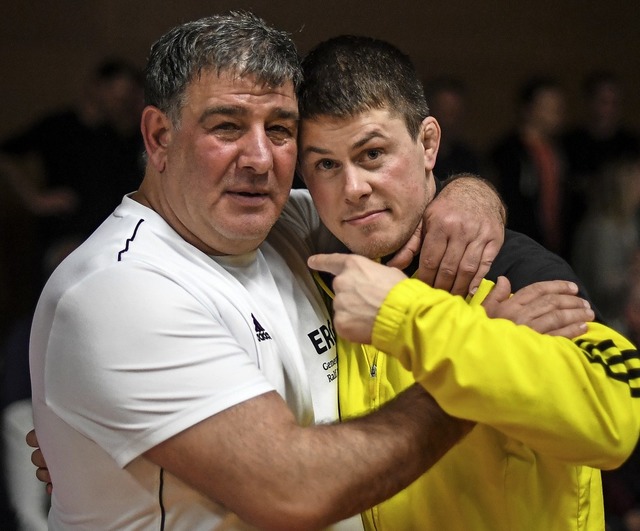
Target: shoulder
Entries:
(299, 207)
(524, 261)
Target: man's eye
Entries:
(325, 164)
(373, 154)
(281, 130)
(279, 134)
(225, 126)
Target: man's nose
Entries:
(356, 184)
(256, 152)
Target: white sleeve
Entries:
(301, 216)
(144, 363)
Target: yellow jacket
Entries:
(550, 413)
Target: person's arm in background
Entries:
(575, 400)
(38, 201)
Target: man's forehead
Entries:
(359, 128)
(235, 82)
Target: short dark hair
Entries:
(349, 74)
(238, 42)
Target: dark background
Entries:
(47, 47)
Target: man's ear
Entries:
(430, 138)
(156, 132)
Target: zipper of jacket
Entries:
(373, 376)
(374, 403)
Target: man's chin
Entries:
(374, 249)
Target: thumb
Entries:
(500, 292)
(404, 256)
(331, 263)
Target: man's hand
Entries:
(551, 307)
(37, 458)
(360, 286)
(463, 231)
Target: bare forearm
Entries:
(386, 451)
(482, 191)
(255, 460)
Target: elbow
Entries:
(618, 453)
(298, 512)
(620, 443)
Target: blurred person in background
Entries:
(61, 177)
(447, 97)
(598, 140)
(70, 168)
(605, 251)
(527, 165)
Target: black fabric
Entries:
(524, 261)
(97, 163)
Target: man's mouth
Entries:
(364, 217)
(249, 198)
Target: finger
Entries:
(489, 254)
(433, 249)
(37, 458)
(43, 475)
(547, 304)
(547, 288)
(546, 313)
(551, 287)
(331, 263)
(467, 268)
(570, 331)
(449, 267)
(500, 293)
(402, 259)
(404, 256)
(558, 320)
(31, 439)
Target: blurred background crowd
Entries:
(564, 152)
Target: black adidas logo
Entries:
(261, 333)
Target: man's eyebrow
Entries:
(286, 114)
(313, 149)
(236, 110)
(224, 110)
(371, 135)
(321, 151)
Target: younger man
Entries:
(550, 411)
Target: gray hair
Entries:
(238, 42)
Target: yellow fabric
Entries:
(547, 413)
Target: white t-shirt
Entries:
(138, 335)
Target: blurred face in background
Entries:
(546, 113)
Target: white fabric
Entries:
(28, 496)
(138, 336)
